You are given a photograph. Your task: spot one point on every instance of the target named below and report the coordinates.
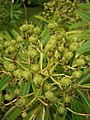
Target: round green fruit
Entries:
(77, 74)
(35, 67)
(80, 62)
(8, 97)
(22, 101)
(61, 48)
(38, 79)
(68, 55)
(32, 52)
(49, 95)
(67, 99)
(32, 39)
(47, 86)
(26, 74)
(61, 109)
(65, 81)
(24, 114)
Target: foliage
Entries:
(42, 75)
(9, 14)
(84, 12)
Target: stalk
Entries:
(80, 114)
(41, 58)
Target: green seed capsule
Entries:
(8, 97)
(24, 114)
(38, 79)
(49, 95)
(80, 62)
(77, 74)
(65, 81)
(68, 55)
(35, 67)
(67, 99)
(61, 109)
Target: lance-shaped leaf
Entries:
(41, 18)
(85, 77)
(75, 106)
(14, 115)
(85, 101)
(25, 87)
(84, 6)
(4, 82)
(45, 36)
(84, 14)
(84, 48)
(9, 112)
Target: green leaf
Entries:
(84, 48)
(86, 85)
(9, 112)
(75, 107)
(41, 113)
(46, 114)
(85, 77)
(84, 6)
(14, 33)
(57, 116)
(26, 88)
(34, 87)
(15, 114)
(84, 15)
(85, 100)
(45, 36)
(4, 82)
(31, 113)
(41, 18)
(51, 114)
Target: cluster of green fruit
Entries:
(4, 13)
(62, 10)
(52, 70)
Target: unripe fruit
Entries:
(61, 48)
(77, 74)
(87, 59)
(13, 42)
(8, 97)
(47, 86)
(61, 109)
(19, 39)
(80, 62)
(9, 66)
(22, 101)
(38, 79)
(26, 74)
(17, 91)
(32, 52)
(68, 55)
(35, 67)
(11, 49)
(54, 99)
(67, 99)
(18, 73)
(49, 95)
(24, 114)
(73, 47)
(49, 47)
(24, 27)
(65, 81)
(36, 30)
(32, 39)
(75, 86)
